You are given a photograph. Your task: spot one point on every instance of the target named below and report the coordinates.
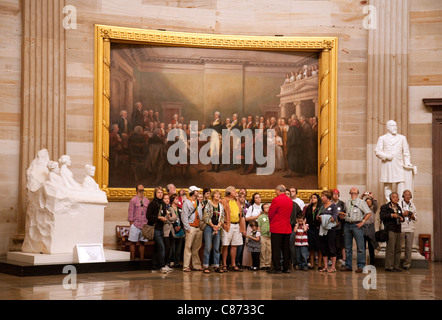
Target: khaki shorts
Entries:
(233, 237)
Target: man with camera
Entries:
(391, 216)
(356, 214)
(408, 226)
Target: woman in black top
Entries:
(312, 211)
(156, 215)
(391, 216)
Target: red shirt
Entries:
(279, 214)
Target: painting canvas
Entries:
(155, 89)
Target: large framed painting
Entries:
(213, 110)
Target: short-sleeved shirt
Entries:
(264, 225)
(234, 211)
(356, 210)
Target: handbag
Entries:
(202, 225)
(148, 231)
(381, 235)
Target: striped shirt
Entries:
(301, 239)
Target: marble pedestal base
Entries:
(63, 258)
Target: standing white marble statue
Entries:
(392, 148)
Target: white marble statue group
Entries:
(61, 212)
(58, 179)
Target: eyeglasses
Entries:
(142, 190)
(141, 203)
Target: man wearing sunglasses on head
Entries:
(137, 219)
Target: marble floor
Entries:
(415, 284)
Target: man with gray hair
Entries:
(171, 189)
(280, 229)
(137, 115)
(234, 227)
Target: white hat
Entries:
(193, 188)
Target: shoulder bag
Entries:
(148, 231)
(381, 235)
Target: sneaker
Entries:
(163, 270)
(168, 269)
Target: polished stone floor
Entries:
(415, 284)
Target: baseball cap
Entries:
(193, 188)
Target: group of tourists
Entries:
(231, 232)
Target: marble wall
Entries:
(341, 18)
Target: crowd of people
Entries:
(303, 73)
(209, 232)
(142, 142)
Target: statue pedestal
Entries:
(36, 259)
(62, 224)
(83, 226)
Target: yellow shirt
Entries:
(234, 211)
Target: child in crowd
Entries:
(301, 242)
(264, 229)
(254, 244)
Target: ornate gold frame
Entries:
(325, 46)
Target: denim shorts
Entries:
(136, 234)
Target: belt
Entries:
(353, 222)
(234, 222)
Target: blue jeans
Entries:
(211, 242)
(302, 256)
(351, 231)
(175, 252)
(159, 255)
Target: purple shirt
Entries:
(137, 212)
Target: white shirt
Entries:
(300, 203)
(408, 225)
(253, 211)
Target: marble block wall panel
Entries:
(10, 86)
(425, 81)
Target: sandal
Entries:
(331, 270)
(206, 270)
(323, 270)
(218, 270)
(236, 269)
(187, 270)
(224, 269)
